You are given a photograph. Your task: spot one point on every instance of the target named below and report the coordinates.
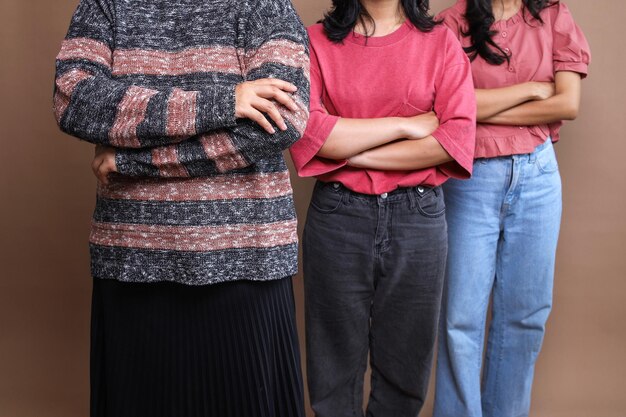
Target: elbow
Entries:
(59, 105)
(571, 112)
(333, 152)
(570, 105)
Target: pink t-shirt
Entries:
(538, 52)
(405, 73)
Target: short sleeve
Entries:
(571, 50)
(455, 106)
(320, 125)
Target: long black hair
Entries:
(345, 14)
(479, 17)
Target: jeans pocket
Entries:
(429, 201)
(546, 161)
(327, 197)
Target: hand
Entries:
(541, 90)
(104, 163)
(419, 127)
(254, 98)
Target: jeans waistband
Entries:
(397, 194)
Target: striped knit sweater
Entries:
(201, 196)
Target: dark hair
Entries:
(479, 17)
(345, 14)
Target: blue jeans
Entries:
(503, 229)
(373, 277)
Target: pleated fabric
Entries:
(171, 350)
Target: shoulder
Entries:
(454, 17)
(271, 10)
(444, 38)
(318, 39)
(558, 13)
(316, 32)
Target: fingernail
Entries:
(272, 131)
(283, 126)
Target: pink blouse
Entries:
(538, 52)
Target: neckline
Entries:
(385, 40)
(513, 20)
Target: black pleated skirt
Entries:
(172, 350)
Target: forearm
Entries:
(561, 106)
(490, 102)
(350, 137)
(209, 154)
(554, 109)
(91, 104)
(403, 155)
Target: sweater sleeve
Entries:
(91, 105)
(455, 106)
(275, 46)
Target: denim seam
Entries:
(357, 400)
(386, 242)
(328, 211)
(500, 350)
(430, 215)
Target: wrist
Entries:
(534, 93)
(216, 108)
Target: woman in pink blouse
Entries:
(528, 59)
(392, 118)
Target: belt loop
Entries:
(412, 200)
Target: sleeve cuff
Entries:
(135, 163)
(579, 67)
(463, 162)
(304, 152)
(216, 108)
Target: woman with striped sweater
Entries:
(193, 241)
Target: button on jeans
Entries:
(503, 230)
(373, 275)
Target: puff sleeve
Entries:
(571, 50)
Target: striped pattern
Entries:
(221, 59)
(168, 350)
(194, 238)
(132, 113)
(201, 197)
(86, 49)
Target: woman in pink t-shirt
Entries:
(528, 59)
(392, 118)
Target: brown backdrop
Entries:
(47, 194)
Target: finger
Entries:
(107, 167)
(102, 176)
(273, 92)
(268, 107)
(259, 118)
(283, 85)
(286, 100)
(95, 165)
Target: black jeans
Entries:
(373, 273)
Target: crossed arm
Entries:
(562, 104)
(393, 143)
(170, 132)
(389, 144)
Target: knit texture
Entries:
(201, 196)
